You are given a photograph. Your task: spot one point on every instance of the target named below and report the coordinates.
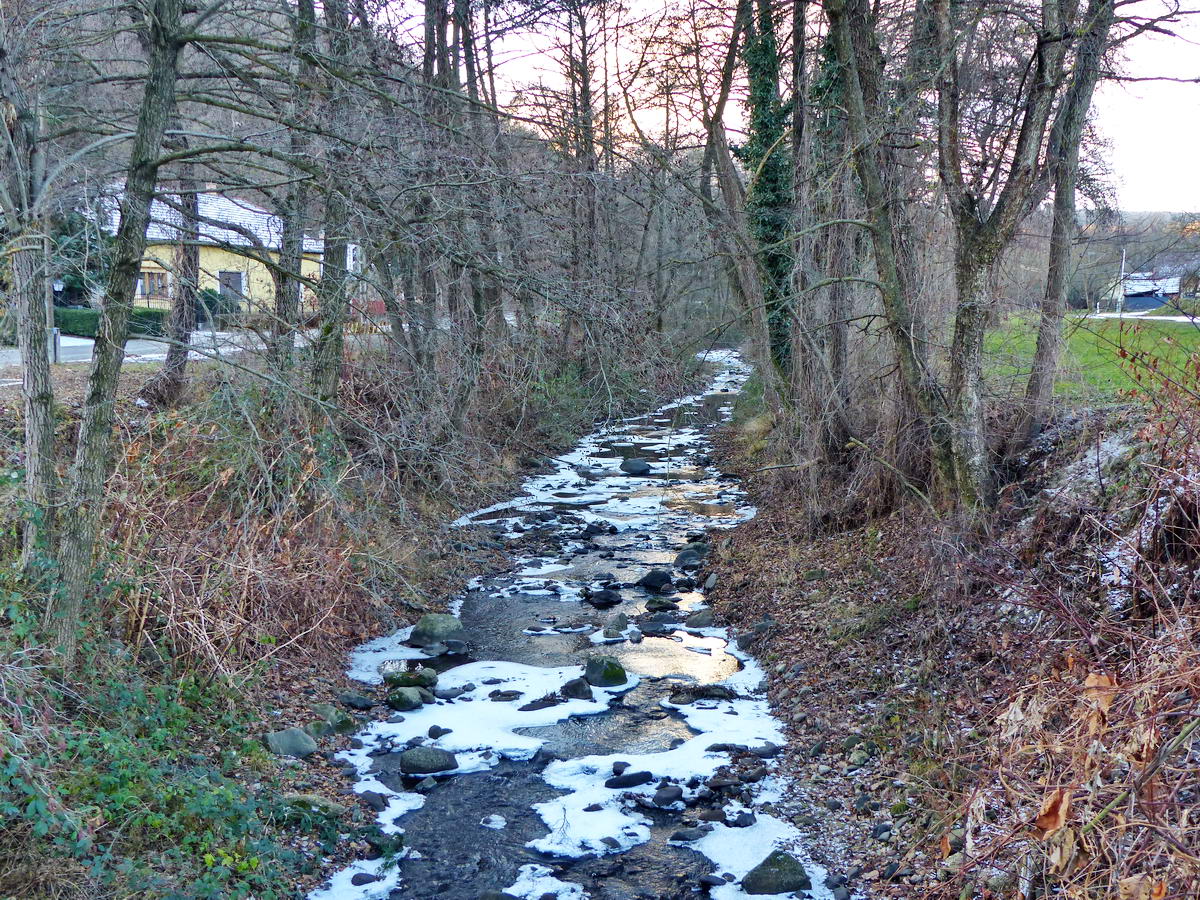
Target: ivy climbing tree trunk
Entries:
(29, 275)
(769, 200)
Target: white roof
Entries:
(1146, 283)
(166, 223)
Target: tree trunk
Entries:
(875, 166)
(288, 283)
(972, 476)
(22, 170)
(167, 387)
(332, 302)
(1040, 387)
(333, 294)
(1064, 157)
(85, 499)
(769, 199)
(29, 284)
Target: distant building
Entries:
(234, 235)
(1174, 276)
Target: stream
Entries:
(529, 776)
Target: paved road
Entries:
(206, 345)
(78, 350)
(1190, 320)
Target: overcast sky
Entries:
(1154, 127)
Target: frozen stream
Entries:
(652, 788)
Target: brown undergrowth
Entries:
(1016, 699)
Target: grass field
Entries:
(1093, 366)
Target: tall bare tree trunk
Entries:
(333, 290)
(1064, 157)
(84, 501)
(22, 182)
(29, 283)
(875, 165)
(167, 387)
(288, 284)
(968, 432)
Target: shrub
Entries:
(85, 322)
(150, 322)
(81, 321)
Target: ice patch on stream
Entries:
(589, 818)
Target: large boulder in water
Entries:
(779, 873)
(655, 580)
(436, 628)
(604, 671)
(635, 467)
(427, 761)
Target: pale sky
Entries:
(1154, 127)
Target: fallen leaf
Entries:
(945, 845)
(1062, 853)
(1056, 808)
(1141, 887)
(1100, 689)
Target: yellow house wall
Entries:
(257, 284)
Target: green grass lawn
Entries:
(1187, 306)
(1093, 368)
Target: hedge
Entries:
(84, 322)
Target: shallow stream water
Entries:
(527, 812)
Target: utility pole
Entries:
(53, 344)
(1121, 285)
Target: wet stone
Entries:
(603, 599)
(577, 689)
(635, 467)
(604, 671)
(665, 796)
(779, 873)
(436, 628)
(427, 760)
(404, 699)
(374, 800)
(655, 580)
(628, 780)
(356, 701)
(661, 604)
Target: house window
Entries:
(154, 284)
(231, 284)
